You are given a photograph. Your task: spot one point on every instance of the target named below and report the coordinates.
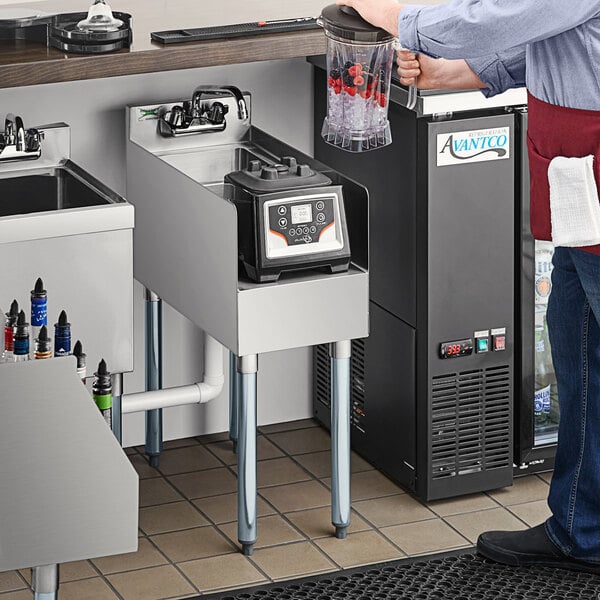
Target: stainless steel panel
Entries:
(67, 490)
(185, 244)
(91, 277)
(303, 311)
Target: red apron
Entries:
(557, 131)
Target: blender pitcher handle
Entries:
(412, 89)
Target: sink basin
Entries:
(58, 189)
(210, 165)
(57, 201)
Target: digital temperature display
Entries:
(455, 349)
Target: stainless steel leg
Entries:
(247, 368)
(340, 437)
(117, 420)
(153, 375)
(44, 582)
(233, 400)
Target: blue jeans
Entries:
(574, 330)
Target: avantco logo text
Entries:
(473, 146)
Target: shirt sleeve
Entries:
(500, 72)
(475, 28)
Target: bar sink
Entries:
(59, 223)
(57, 189)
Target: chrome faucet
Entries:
(222, 90)
(18, 143)
(196, 116)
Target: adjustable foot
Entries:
(247, 549)
(341, 532)
(155, 461)
(234, 446)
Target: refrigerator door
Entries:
(535, 430)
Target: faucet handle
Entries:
(33, 139)
(9, 129)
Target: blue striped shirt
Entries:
(552, 46)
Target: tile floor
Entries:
(188, 533)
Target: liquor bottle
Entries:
(21, 339)
(543, 273)
(10, 321)
(545, 379)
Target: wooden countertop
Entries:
(26, 63)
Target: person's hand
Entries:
(380, 13)
(435, 73)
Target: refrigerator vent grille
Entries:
(357, 380)
(322, 374)
(470, 422)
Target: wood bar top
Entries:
(27, 63)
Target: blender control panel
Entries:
(302, 225)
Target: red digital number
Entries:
(454, 349)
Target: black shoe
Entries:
(528, 547)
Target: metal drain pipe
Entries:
(197, 393)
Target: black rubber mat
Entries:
(450, 576)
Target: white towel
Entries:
(574, 203)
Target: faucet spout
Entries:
(222, 90)
(20, 137)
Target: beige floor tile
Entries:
(157, 491)
(547, 477)
(319, 463)
(425, 536)
(361, 548)
(71, 571)
(302, 441)
(264, 450)
(279, 471)
(185, 460)
(297, 496)
(21, 595)
(222, 509)
(10, 580)
(151, 584)
(146, 556)
(370, 484)
(524, 489)
(392, 510)
(292, 560)
(205, 483)
(272, 530)
(464, 504)
(182, 443)
(533, 513)
(316, 522)
(222, 572)
(74, 571)
(92, 589)
(190, 544)
(472, 524)
(143, 468)
(170, 517)
(288, 426)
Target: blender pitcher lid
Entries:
(344, 22)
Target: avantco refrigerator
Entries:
(443, 388)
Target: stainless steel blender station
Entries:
(256, 252)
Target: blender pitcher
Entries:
(359, 70)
